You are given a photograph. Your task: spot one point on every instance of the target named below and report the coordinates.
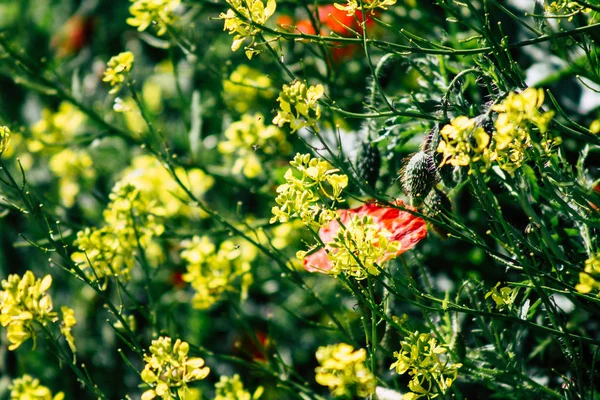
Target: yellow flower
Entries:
(27, 388)
(68, 322)
(343, 370)
(56, 128)
(153, 12)
(153, 180)
(503, 297)
(73, 168)
(213, 272)
(463, 143)
(168, 368)
(117, 70)
(23, 302)
(250, 138)
(4, 138)
(241, 20)
(232, 388)
(369, 5)
(246, 88)
(587, 279)
(427, 363)
(131, 221)
(298, 106)
(304, 196)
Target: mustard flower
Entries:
(369, 5)
(427, 363)
(131, 221)
(117, 69)
(168, 369)
(463, 143)
(73, 168)
(28, 388)
(4, 138)
(243, 20)
(565, 7)
(587, 279)
(246, 88)
(298, 106)
(213, 272)
(55, 128)
(249, 139)
(517, 115)
(159, 13)
(24, 302)
(504, 297)
(232, 388)
(305, 196)
(343, 370)
(155, 182)
(68, 322)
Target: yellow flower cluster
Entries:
(154, 182)
(73, 168)
(369, 5)
(23, 303)
(232, 388)
(304, 196)
(587, 279)
(243, 20)
(4, 138)
(130, 219)
(428, 364)
(343, 370)
(153, 12)
(168, 369)
(359, 249)
(56, 128)
(565, 7)
(245, 88)
(456, 143)
(298, 106)
(68, 322)
(117, 69)
(28, 388)
(463, 143)
(213, 272)
(503, 297)
(249, 139)
(517, 114)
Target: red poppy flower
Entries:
(397, 225)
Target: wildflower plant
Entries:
(414, 182)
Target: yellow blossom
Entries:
(246, 88)
(73, 168)
(463, 143)
(56, 128)
(28, 388)
(4, 138)
(428, 364)
(159, 13)
(168, 369)
(369, 5)
(503, 297)
(298, 106)
(213, 272)
(343, 370)
(305, 196)
(252, 143)
(587, 278)
(131, 220)
(232, 388)
(117, 69)
(24, 302)
(243, 20)
(153, 180)
(68, 322)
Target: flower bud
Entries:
(369, 163)
(419, 177)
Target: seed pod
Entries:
(419, 176)
(435, 203)
(369, 163)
